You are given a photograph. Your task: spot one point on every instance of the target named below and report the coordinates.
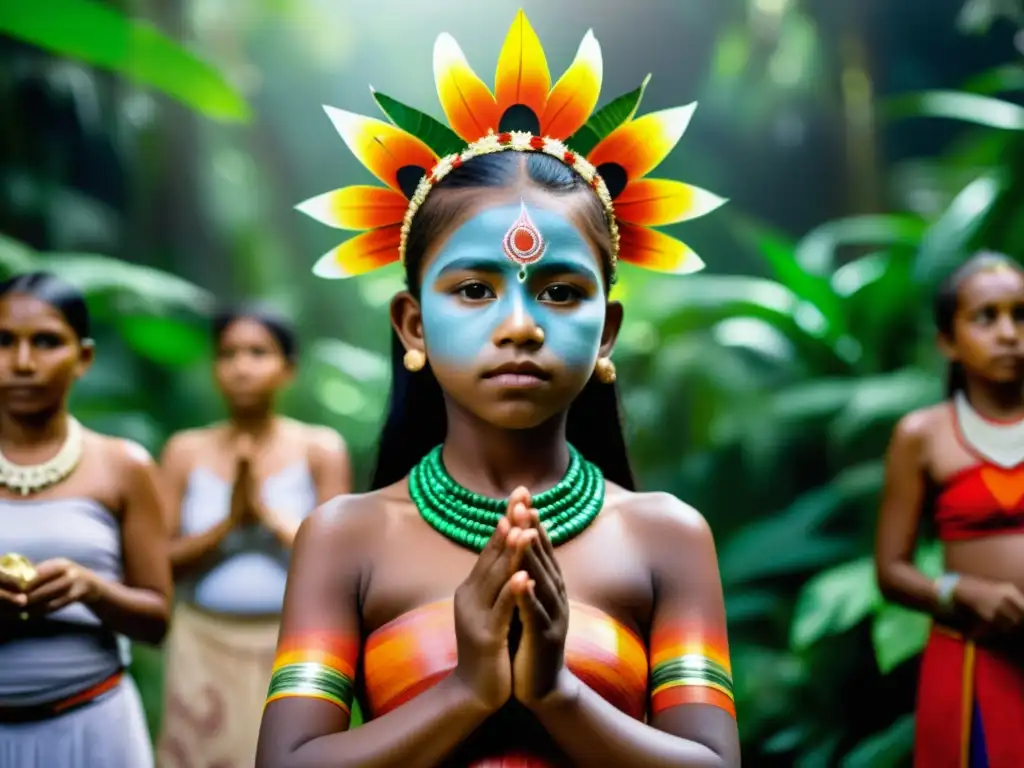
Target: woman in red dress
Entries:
(961, 463)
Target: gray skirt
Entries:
(109, 732)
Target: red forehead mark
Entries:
(523, 242)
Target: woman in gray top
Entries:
(239, 490)
(86, 562)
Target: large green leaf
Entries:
(814, 398)
(789, 542)
(134, 288)
(16, 257)
(898, 634)
(816, 251)
(834, 601)
(859, 273)
(959, 105)
(607, 119)
(947, 241)
(1003, 79)
(435, 134)
(928, 559)
(880, 301)
(884, 398)
(890, 748)
(98, 34)
(165, 340)
(354, 362)
(701, 301)
(779, 253)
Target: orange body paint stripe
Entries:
(285, 695)
(340, 652)
(691, 694)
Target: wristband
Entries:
(945, 587)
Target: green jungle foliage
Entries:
(782, 389)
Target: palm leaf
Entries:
(98, 34)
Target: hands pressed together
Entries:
(246, 507)
(516, 570)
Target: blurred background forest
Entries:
(152, 152)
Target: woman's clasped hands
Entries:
(516, 571)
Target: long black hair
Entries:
(947, 300)
(61, 295)
(416, 420)
(281, 328)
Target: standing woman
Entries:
(504, 596)
(960, 464)
(86, 549)
(240, 489)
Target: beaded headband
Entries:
(611, 149)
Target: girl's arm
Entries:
(307, 713)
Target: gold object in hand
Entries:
(18, 569)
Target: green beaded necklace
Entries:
(469, 518)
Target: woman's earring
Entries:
(605, 370)
(414, 360)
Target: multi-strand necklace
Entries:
(469, 518)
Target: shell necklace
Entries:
(32, 478)
(1002, 444)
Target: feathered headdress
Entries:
(612, 149)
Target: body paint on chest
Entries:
(457, 331)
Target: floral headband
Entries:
(611, 149)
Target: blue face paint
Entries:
(457, 331)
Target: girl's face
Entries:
(40, 356)
(515, 352)
(251, 367)
(988, 327)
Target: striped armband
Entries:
(315, 666)
(688, 668)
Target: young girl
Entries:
(86, 562)
(240, 490)
(963, 462)
(503, 596)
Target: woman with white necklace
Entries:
(85, 561)
(961, 463)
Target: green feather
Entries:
(607, 119)
(435, 134)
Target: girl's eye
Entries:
(986, 315)
(475, 292)
(47, 340)
(560, 293)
